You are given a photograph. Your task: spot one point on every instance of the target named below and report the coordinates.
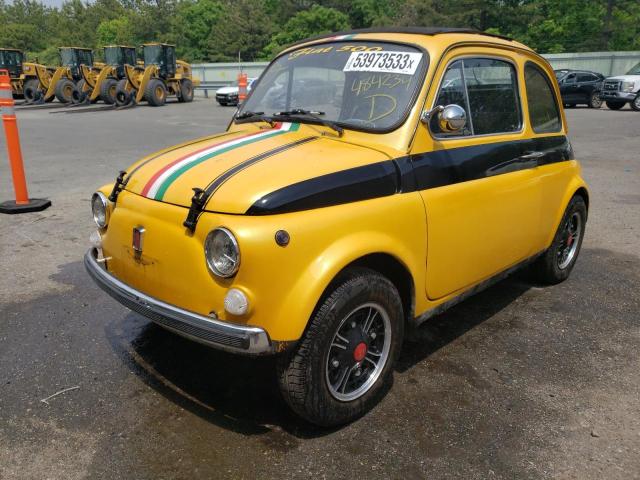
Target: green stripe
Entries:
(167, 183)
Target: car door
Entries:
(568, 89)
(587, 83)
(479, 185)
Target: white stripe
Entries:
(196, 156)
(6, 93)
(7, 110)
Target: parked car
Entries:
(580, 87)
(321, 231)
(229, 95)
(622, 89)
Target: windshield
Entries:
(153, 55)
(10, 58)
(560, 73)
(361, 85)
(113, 56)
(635, 70)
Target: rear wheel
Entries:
(343, 365)
(555, 265)
(65, 90)
(595, 101)
(108, 90)
(155, 93)
(32, 92)
(186, 91)
(613, 105)
(636, 103)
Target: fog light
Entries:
(236, 302)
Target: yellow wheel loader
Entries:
(100, 82)
(72, 81)
(28, 80)
(161, 76)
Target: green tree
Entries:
(192, 25)
(118, 31)
(243, 30)
(307, 23)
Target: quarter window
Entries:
(543, 108)
(488, 91)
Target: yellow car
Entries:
(371, 180)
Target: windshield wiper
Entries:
(256, 116)
(312, 114)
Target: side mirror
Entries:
(450, 119)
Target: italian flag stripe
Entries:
(158, 184)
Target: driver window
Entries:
(571, 78)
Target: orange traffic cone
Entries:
(22, 203)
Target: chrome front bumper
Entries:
(207, 330)
(617, 95)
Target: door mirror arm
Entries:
(451, 118)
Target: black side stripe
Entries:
(414, 172)
(202, 196)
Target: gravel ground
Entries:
(516, 382)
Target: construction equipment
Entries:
(100, 82)
(69, 81)
(28, 80)
(161, 76)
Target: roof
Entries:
(76, 48)
(11, 50)
(118, 46)
(157, 43)
(411, 30)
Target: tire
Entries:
(65, 89)
(311, 377)
(108, 90)
(635, 104)
(155, 93)
(594, 100)
(186, 91)
(123, 96)
(555, 265)
(32, 92)
(84, 96)
(613, 105)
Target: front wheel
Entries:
(595, 101)
(635, 105)
(186, 91)
(613, 105)
(555, 265)
(155, 93)
(343, 365)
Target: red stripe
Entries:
(156, 175)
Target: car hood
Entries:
(241, 171)
(227, 90)
(626, 78)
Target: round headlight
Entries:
(100, 209)
(222, 252)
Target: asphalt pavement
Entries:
(518, 382)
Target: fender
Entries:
(302, 299)
(576, 183)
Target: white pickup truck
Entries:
(616, 91)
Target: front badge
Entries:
(138, 239)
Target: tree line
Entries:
(252, 30)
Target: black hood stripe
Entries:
(218, 182)
(414, 172)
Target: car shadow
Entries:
(241, 393)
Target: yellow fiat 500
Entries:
(371, 180)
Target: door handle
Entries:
(532, 155)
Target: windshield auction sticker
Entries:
(404, 63)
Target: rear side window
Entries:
(487, 89)
(587, 77)
(543, 108)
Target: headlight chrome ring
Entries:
(222, 252)
(100, 209)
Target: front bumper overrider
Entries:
(207, 330)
